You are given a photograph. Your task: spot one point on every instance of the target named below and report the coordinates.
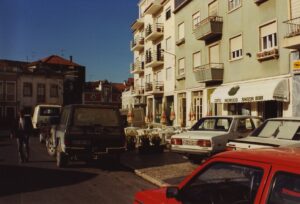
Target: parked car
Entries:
(237, 177)
(275, 132)
(42, 117)
(86, 132)
(210, 134)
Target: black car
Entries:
(86, 132)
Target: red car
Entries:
(268, 176)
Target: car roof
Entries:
(285, 118)
(280, 156)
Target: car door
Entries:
(224, 180)
(283, 186)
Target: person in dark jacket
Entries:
(24, 131)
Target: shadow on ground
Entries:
(139, 161)
(17, 179)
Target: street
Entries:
(40, 181)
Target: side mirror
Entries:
(172, 192)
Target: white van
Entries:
(43, 113)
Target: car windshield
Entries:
(212, 124)
(280, 129)
(49, 111)
(95, 116)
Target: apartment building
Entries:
(154, 59)
(232, 57)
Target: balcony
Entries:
(137, 44)
(140, 100)
(137, 24)
(292, 38)
(156, 87)
(137, 67)
(212, 72)
(154, 32)
(258, 2)
(154, 58)
(153, 7)
(267, 55)
(138, 91)
(209, 29)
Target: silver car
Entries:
(210, 134)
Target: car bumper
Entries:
(191, 151)
(88, 151)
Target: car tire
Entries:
(61, 158)
(50, 146)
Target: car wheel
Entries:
(50, 146)
(61, 158)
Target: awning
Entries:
(265, 90)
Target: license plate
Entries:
(81, 142)
(189, 142)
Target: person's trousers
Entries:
(23, 147)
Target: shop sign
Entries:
(296, 66)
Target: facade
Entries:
(154, 59)
(230, 57)
(74, 76)
(103, 92)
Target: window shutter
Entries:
(197, 59)
(214, 56)
(213, 9)
(236, 43)
(295, 8)
(268, 29)
(181, 31)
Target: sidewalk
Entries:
(161, 169)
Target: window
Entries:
(54, 90)
(239, 184)
(158, 76)
(10, 91)
(168, 44)
(214, 54)
(236, 50)
(268, 36)
(181, 31)
(196, 60)
(169, 74)
(181, 69)
(41, 93)
(197, 104)
(285, 188)
(196, 20)
(1, 91)
(168, 13)
(27, 89)
(213, 8)
(233, 4)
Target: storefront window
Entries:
(239, 109)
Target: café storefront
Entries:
(266, 98)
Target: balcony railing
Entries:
(268, 54)
(293, 27)
(156, 87)
(153, 7)
(137, 44)
(137, 67)
(137, 24)
(154, 58)
(209, 28)
(154, 31)
(212, 72)
(138, 90)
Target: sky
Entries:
(96, 33)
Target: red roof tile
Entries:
(54, 59)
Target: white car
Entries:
(275, 132)
(210, 134)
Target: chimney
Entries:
(71, 58)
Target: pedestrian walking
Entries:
(24, 131)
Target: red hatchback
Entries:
(268, 176)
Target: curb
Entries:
(146, 177)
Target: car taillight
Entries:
(204, 143)
(230, 147)
(176, 141)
